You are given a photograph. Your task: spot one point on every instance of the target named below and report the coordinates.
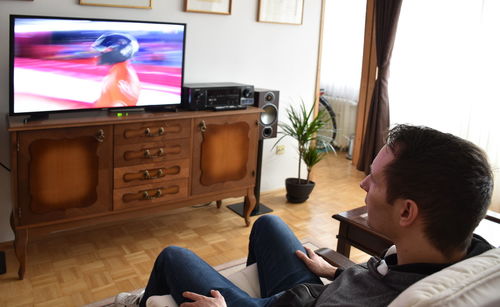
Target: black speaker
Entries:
(267, 100)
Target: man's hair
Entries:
(448, 177)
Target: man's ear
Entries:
(408, 213)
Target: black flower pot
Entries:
(298, 192)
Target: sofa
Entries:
(471, 282)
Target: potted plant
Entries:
(303, 127)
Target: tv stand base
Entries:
(35, 117)
(155, 109)
(125, 110)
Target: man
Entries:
(427, 191)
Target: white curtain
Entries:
(445, 71)
(343, 36)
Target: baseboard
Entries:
(273, 190)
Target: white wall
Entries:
(232, 48)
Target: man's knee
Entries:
(267, 222)
(171, 253)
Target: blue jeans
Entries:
(272, 246)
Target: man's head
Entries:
(447, 177)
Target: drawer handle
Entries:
(100, 136)
(159, 173)
(146, 196)
(147, 132)
(150, 174)
(150, 194)
(148, 155)
(158, 193)
(203, 126)
(153, 131)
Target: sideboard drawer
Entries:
(152, 131)
(134, 154)
(150, 173)
(145, 195)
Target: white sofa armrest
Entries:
(472, 282)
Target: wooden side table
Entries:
(354, 231)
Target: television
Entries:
(60, 64)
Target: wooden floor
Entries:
(80, 268)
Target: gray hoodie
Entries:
(379, 281)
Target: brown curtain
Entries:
(386, 22)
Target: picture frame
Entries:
(136, 4)
(222, 7)
(281, 11)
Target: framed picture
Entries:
(208, 6)
(137, 4)
(281, 11)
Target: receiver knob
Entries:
(247, 93)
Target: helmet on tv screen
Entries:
(115, 47)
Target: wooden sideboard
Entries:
(77, 171)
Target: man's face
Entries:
(380, 212)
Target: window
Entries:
(445, 71)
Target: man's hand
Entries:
(204, 301)
(316, 264)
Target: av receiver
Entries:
(213, 96)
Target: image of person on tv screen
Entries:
(121, 86)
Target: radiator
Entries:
(345, 115)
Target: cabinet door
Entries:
(64, 173)
(225, 151)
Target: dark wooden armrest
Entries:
(493, 216)
(334, 258)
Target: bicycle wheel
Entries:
(328, 132)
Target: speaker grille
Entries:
(270, 114)
(268, 101)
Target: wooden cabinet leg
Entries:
(20, 247)
(219, 203)
(250, 202)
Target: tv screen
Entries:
(66, 64)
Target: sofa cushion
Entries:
(247, 280)
(472, 282)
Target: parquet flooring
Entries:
(75, 269)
